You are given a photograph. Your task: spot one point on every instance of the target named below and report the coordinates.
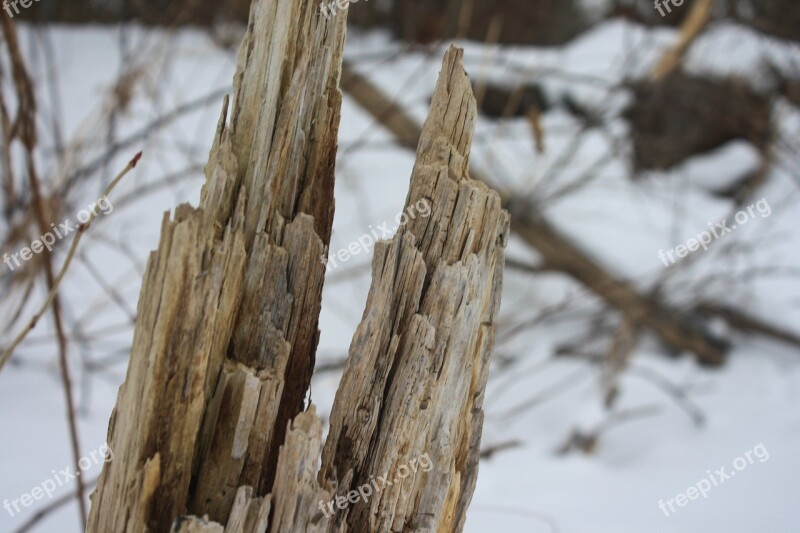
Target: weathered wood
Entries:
(209, 421)
(415, 377)
(297, 492)
(248, 513)
(224, 343)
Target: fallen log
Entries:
(558, 252)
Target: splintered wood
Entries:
(418, 364)
(209, 432)
(226, 333)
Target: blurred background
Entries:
(618, 134)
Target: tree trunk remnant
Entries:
(418, 364)
(209, 427)
(226, 333)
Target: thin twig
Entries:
(54, 290)
(680, 396)
(25, 130)
(58, 321)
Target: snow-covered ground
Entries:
(654, 456)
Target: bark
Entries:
(226, 332)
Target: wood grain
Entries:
(418, 363)
(224, 343)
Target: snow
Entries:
(622, 223)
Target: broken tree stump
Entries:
(226, 333)
(415, 377)
(408, 414)
(209, 427)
